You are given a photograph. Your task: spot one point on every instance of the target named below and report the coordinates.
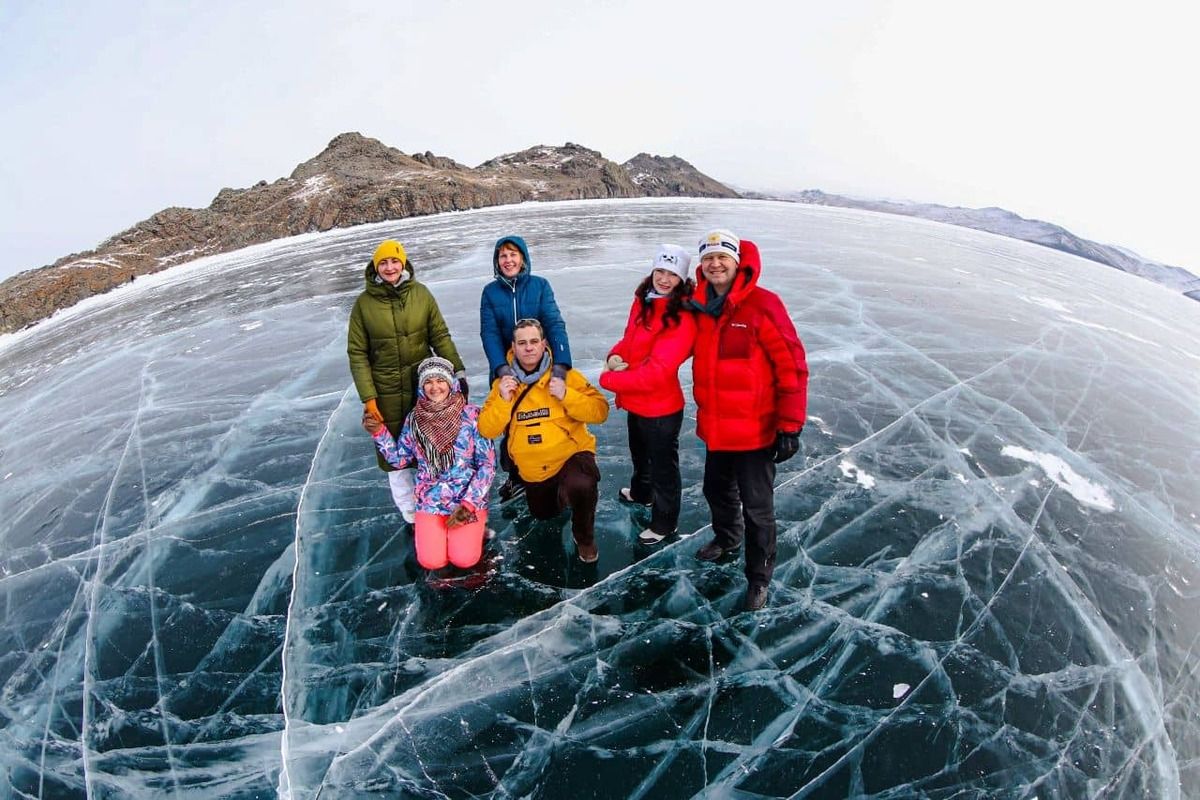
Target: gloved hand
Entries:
(786, 445)
(461, 515)
(559, 371)
(463, 386)
(372, 408)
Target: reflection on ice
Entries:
(987, 570)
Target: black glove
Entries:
(559, 371)
(786, 446)
(462, 385)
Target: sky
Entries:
(1071, 112)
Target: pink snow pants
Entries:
(438, 545)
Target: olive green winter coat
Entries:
(392, 330)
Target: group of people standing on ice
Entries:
(750, 387)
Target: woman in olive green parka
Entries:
(394, 326)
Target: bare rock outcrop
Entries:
(671, 176)
(354, 180)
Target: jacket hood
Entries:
(517, 242)
(749, 268)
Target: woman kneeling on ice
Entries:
(455, 467)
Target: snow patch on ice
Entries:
(1045, 302)
(899, 690)
(1067, 479)
(250, 326)
(851, 470)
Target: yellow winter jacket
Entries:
(544, 431)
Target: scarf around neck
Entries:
(435, 426)
(713, 303)
(531, 377)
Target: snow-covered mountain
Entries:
(1006, 223)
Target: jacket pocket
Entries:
(737, 340)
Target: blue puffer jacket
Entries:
(505, 301)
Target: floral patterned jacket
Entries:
(468, 479)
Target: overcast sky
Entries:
(1079, 113)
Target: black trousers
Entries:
(740, 489)
(506, 462)
(575, 485)
(654, 449)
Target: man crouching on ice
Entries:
(546, 419)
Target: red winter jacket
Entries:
(751, 377)
(650, 386)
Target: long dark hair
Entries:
(675, 300)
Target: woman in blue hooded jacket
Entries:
(516, 294)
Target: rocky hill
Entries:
(671, 176)
(355, 180)
(1006, 223)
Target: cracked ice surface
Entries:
(987, 578)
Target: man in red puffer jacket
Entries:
(751, 384)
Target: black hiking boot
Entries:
(713, 551)
(756, 597)
(511, 489)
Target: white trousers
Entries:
(401, 483)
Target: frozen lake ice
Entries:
(987, 578)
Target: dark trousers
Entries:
(506, 462)
(654, 448)
(575, 485)
(740, 489)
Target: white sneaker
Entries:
(627, 497)
(408, 514)
(650, 537)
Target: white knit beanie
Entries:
(673, 258)
(721, 241)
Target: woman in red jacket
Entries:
(643, 371)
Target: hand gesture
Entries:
(558, 388)
(508, 387)
(615, 363)
(370, 424)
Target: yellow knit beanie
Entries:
(389, 249)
